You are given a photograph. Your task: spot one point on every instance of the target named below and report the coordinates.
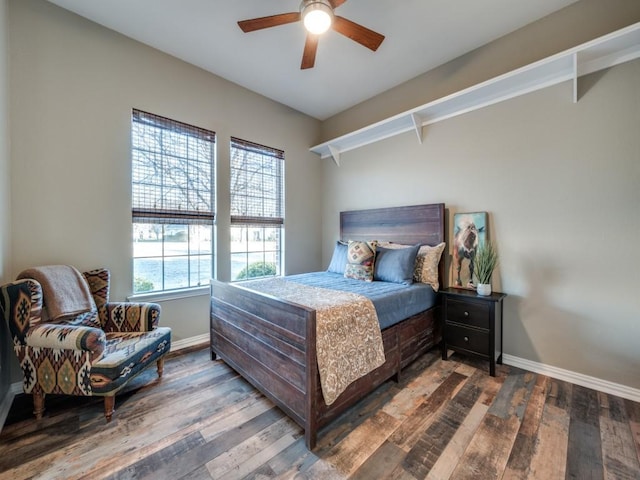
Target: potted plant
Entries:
(485, 261)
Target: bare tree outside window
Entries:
(172, 203)
(257, 210)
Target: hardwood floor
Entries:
(443, 420)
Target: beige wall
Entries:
(73, 85)
(560, 182)
(4, 146)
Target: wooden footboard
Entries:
(265, 340)
(272, 343)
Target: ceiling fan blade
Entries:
(336, 3)
(310, 49)
(357, 33)
(266, 22)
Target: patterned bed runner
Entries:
(348, 337)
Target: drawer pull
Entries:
(466, 339)
(466, 314)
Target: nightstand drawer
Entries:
(469, 313)
(470, 339)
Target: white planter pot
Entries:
(483, 289)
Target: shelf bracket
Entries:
(335, 154)
(417, 125)
(575, 77)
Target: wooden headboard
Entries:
(424, 224)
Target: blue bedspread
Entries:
(393, 301)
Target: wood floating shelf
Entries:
(603, 52)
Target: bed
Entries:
(271, 342)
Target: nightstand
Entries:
(472, 324)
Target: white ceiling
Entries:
(420, 35)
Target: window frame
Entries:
(173, 171)
(250, 211)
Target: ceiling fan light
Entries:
(317, 16)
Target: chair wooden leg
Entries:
(38, 405)
(160, 367)
(109, 403)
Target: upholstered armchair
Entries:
(93, 353)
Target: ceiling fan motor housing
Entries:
(309, 3)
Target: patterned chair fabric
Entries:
(95, 353)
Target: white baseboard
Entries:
(189, 342)
(574, 377)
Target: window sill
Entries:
(170, 295)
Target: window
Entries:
(257, 210)
(172, 203)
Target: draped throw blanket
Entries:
(348, 337)
(65, 293)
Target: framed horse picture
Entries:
(469, 232)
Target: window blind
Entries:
(257, 184)
(172, 171)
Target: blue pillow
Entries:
(339, 258)
(395, 264)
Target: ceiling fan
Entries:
(318, 16)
